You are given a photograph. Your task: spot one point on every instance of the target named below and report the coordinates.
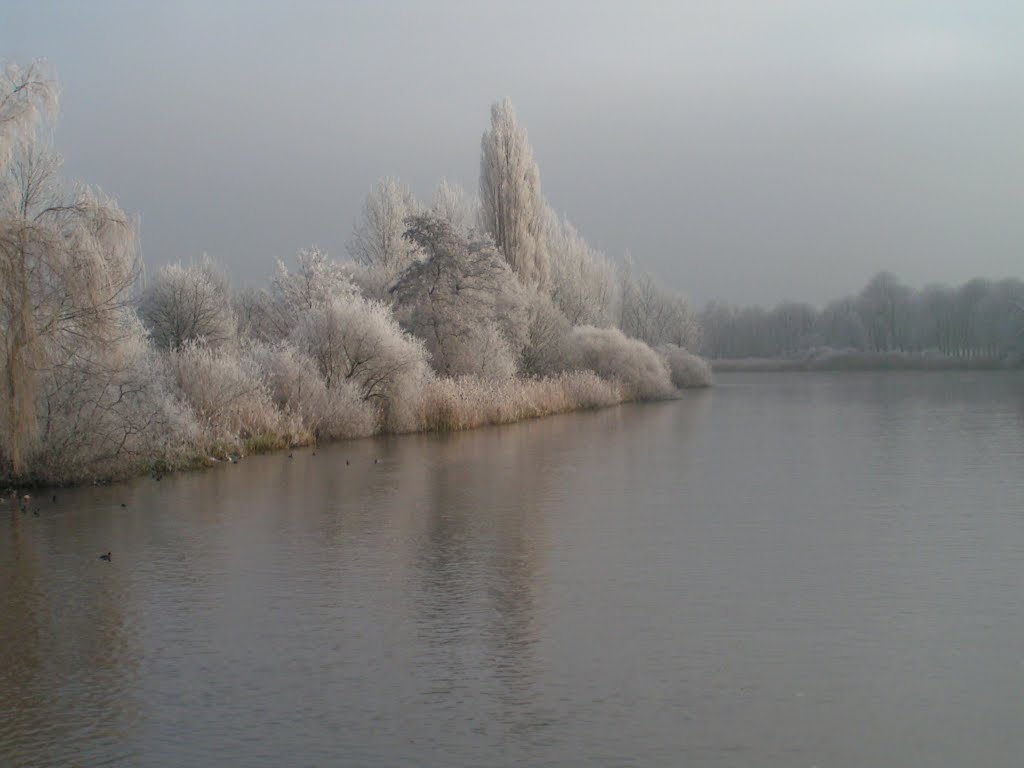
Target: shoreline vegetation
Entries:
(887, 326)
(456, 313)
(857, 360)
(461, 311)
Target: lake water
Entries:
(787, 570)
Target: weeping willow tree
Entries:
(68, 261)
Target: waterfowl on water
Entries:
(105, 557)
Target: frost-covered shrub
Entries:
(296, 387)
(231, 404)
(356, 340)
(547, 349)
(405, 408)
(688, 370)
(611, 355)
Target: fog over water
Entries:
(743, 151)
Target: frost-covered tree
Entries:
(512, 208)
(188, 303)
(316, 281)
(356, 340)
(463, 300)
(253, 314)
(105, 412)
(451, 203)
(654, 314)
(377, 238)
(584, 284)
(27, 95)
(68, 261)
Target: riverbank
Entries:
(439, 405)
(865, 361)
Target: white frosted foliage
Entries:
(377, 238)
(512, 208)
(188, 303)
(463, 301)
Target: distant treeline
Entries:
(981, 320)
(448, 315)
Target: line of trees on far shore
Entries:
(448, 315)
(979, 319)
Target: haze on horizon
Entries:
(741, 152)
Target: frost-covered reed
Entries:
(451, 405)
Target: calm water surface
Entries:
(789, 570)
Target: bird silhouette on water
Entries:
(105, 557)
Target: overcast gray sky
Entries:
(743, 151)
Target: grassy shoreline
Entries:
(446, 405)
(865, 361)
